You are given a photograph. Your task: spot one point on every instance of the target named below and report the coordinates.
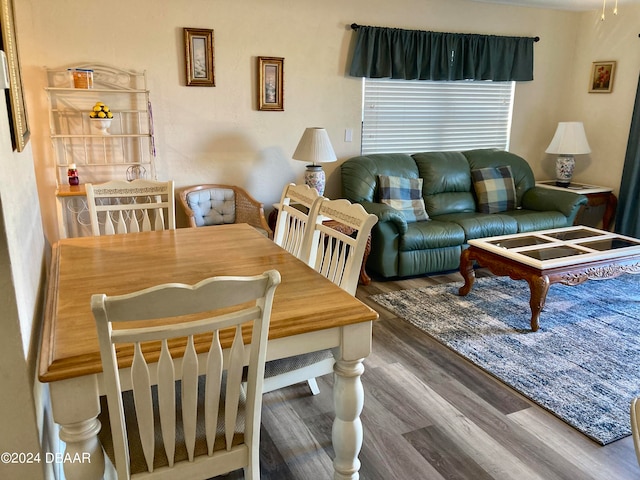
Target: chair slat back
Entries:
(136, 206)
(292, 222)
(252, 299)
(336, 247)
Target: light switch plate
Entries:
(348, 135)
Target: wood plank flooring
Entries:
(430, 414)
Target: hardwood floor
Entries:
(430, 414)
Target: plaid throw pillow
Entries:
(404, 194)
(495, 189)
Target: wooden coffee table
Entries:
(570, 256)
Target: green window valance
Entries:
(419, 55)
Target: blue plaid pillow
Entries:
(404, 194)
(495, 189)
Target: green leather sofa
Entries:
(402, 249)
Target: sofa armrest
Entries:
(542, 199)
(386, 213)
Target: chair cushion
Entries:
(495, 189)
(213, 206)
(273, 368)
(405, 195)
(138, 463)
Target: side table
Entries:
(365, 279)
(597, 196)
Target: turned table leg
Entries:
(539, 287)
(76, 406)
(466, 270)
(348, 399)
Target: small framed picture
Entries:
(602, 77)
(271, 83)
(199, 58)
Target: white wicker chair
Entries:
(215, 204)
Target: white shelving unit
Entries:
(125, 150)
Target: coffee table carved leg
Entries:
(539, 287)
(467, 272)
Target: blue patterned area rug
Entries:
(583, 365)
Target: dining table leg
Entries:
(76, 406)
(348, 398)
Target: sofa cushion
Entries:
(447, 182)
(433, 234)
(403, 194)
(531, 221)
(478, 225)
(494, 189)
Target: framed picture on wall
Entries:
(602, 77)
(199, 57)
(15, 98)
(271, 83)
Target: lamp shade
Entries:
(315, 147)
(569, 139)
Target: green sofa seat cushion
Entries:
(530, 220)
(431, 234)
(479, 225)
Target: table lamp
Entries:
(315, 147)
(568, 141)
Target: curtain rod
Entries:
(355, 26)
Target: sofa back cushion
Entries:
(360, 174)
(446, 184)
(520, 169)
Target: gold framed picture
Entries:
(602, 77)
(19, 124)
(271, 83)
(199, 57)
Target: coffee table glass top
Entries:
(560, 247)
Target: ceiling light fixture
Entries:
(604, 6)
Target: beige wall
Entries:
(22, 252)
(606, 117)
(217, 135)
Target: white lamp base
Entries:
(564, 170)
(314, 177)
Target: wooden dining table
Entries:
(309, 313)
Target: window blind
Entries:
(420, 116)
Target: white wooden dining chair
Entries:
(336, 250)
(292, 221)
(289, 233)
(137, 206)
(219, 429)
(337, 239)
